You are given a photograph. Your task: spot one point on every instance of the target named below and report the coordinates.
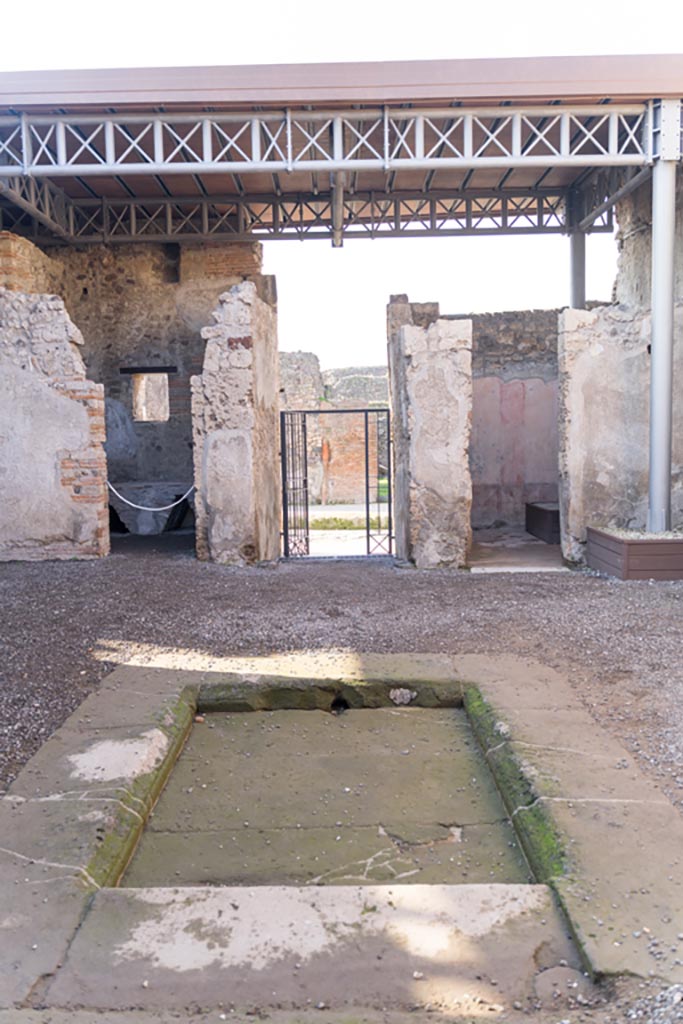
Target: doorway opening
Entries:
(336, 483)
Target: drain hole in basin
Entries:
(339, 705)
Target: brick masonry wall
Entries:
(24, 268)
(52, 461)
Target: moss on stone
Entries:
(268, 693)
(137, 799)
(533, 824)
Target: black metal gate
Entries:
(295, 442)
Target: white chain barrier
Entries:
(147, 508)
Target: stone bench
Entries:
(542, 520)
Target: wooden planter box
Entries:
(637, 558)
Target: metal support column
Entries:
(577, 242)
(577, 249)
(667, 151)
(661, 364)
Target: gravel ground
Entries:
(619, 642)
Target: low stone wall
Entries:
(235, 427)
(430, 368)
(604, 422)
(52, 464)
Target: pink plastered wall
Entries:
(514, 447)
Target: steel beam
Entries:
(386, 139)
(614, 197)
(45, 204)
(325, 215)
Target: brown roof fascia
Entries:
(535, 80)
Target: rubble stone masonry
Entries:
(604, 412)
(430, 368)
(235, 421)
(53, 467)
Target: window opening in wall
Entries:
(150, 392)
(149, 497)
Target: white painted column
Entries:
(667, 139)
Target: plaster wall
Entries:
(235, 419)
(52, 463)
(430, 368)
(604, 416)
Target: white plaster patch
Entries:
(236, 927)
(206, 930)
(107, 760)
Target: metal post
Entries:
(367, 481)
(661, 364)
(577, 243)
(285, 483)
(577, 250)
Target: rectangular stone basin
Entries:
(388, 795)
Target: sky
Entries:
(332, 301)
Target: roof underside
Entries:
(324, 150)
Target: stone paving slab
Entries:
(621, 839)
(313, 769)
(41, 907)
(476, 853)
(282, 946)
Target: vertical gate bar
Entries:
(283, 464)
(378, 476)
(389, 487)
(367, 484)
(304, 431)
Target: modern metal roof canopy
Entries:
(356, 150)
(338, 150)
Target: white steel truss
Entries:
(286, 141)
(611, 147)
(363, 215)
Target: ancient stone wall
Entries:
(235, 418)
(634, 239)
(357, 387)
(52, 463)
(336, 444)
(430, 367)
(24, 268)
(146, 306)
(604, 413)
(514, 345)
(301, 387)
(514, 441)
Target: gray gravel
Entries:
(620, 642)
